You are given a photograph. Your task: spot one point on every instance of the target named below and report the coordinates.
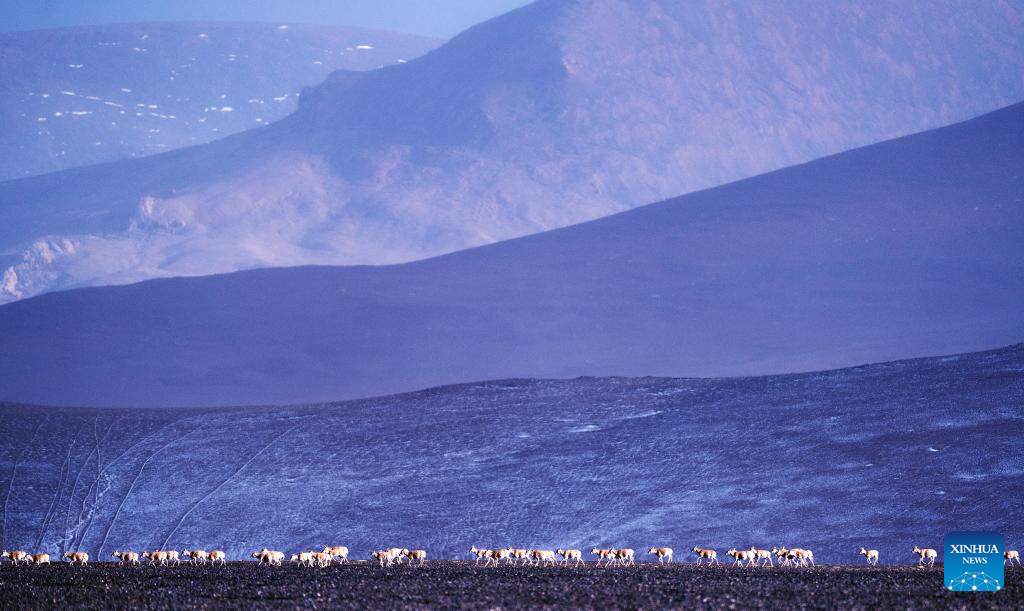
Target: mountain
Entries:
(84, 95)
(884, 456)
(905, 248)
(553, 114)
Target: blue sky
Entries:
(443, 18)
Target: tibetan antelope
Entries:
(624, 556)
(386, 557)
(570, 554)
(515, 554)
(17, 556)
(480, 554)
(763, 556)
(705, 554)
(126, 557)
(419, 555)
(782, 554)
(664, 554)
(157, 557)
(495, 556)
(542, 556)
(337, 551)
(218, 557)
(1011, 555)
(269, 557)
(871, 555)
(303, 558)
(602, 554)
(38, 559)
(77, 557)
(740, 555)
(926, 555)
(197, 556)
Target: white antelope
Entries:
(871, 555)
(664, 554)
(570, 554)
(269, 557)
(624, 556)
(515, 554)
(782, 554)
(218, 557)
(303, 558)
(197, 556)
(38, 559)
(542, 556)
(386, 556)
(925, 555)
(77, 557)
(495, 556)
(419, 555)
(1011, 555)
(800, 557)
(762, 556)
(602, 554)
(705, 554)
(740, 555)
(479, 553)
(126, 557)
(17, 556)
(337, 551)
(156, 557)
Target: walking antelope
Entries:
(16, 556)
(705, 554)
(156, 557)
(800, 557)
(197, 556)
(495, 556)
(39, 559)
(1010, 556)
(269, 557)
(303, 558)
(338, 551)
(570, 554)
(479, 553)
(126, 557)
(420, 555)
(624, 556)
(664, 554)
(602, 554)
(217, 556)
(782, 554)
(516, 554)
(871, 555)
(542, 556)
(926, 555)
(386, 557)
(740, 555)
(77, 557)
(762, 555)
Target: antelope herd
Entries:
(514, 556)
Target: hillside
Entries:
(79, 96)
(552, 114)
(901, 249)
(886, 456)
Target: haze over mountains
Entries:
(556, 113)
(886, 456)
(904, 248)
(78, 96)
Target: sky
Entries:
(441, 18)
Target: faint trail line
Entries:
(226, 480)
(84, 516)
(131, 487)
(74, 489)
(119, 457)
(58, 494)
(14, 472)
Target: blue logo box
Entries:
(973, 561)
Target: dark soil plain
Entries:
(460, 584)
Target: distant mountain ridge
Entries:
(553, 114)
(905, 248)
(886, 456)
(78, 96)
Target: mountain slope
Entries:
(555, 113)
(885, 456)
(78, 96)
(905, 248)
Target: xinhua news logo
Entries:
(973, 561)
